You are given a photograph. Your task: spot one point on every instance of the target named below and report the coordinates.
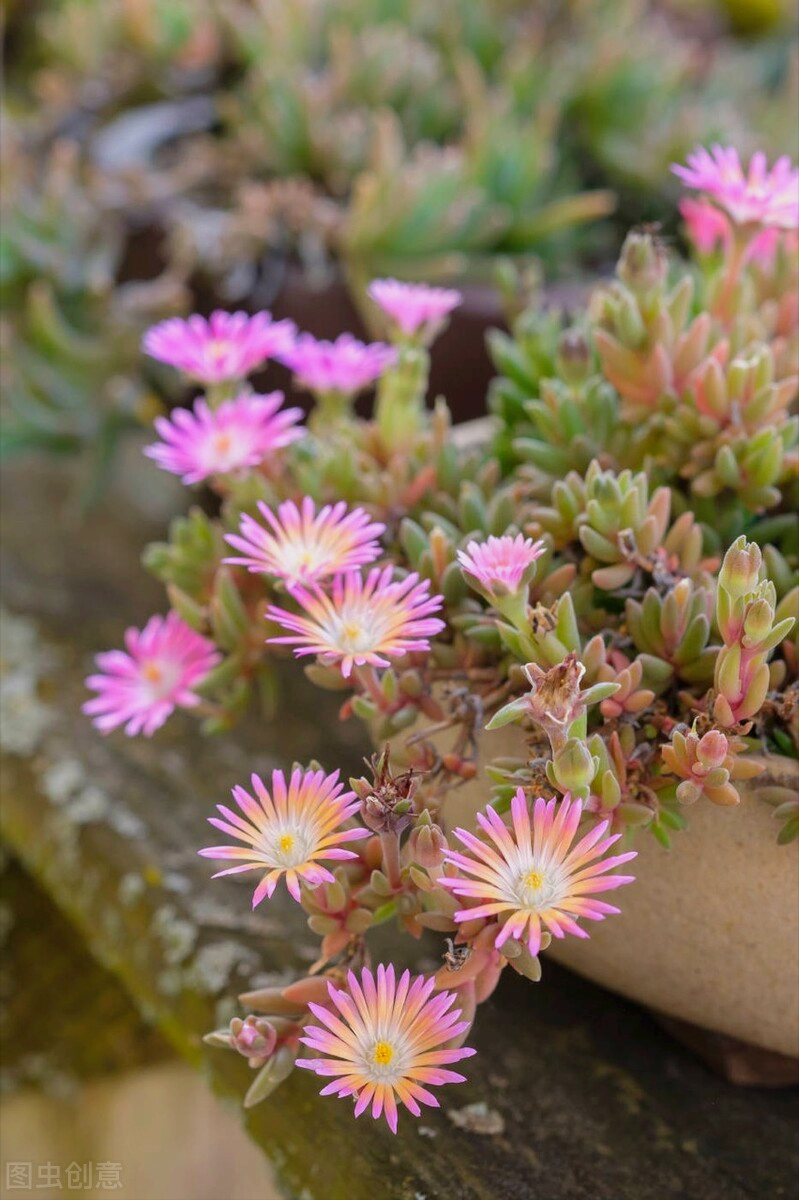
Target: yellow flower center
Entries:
(286, 843)
(383, 1054)
(533, 880)
(217, 350)
(222, 443)
(152, 673)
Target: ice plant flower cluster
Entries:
(343, 367)
(223, 348)
(208, 442)
(758, 196)
(416, 309)
(385, 1040)
(364, 620)
(301, 545)
(158, 671)
(286, 832)
(534, 877)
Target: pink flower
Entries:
(215, 441)
(222, 349)
(385, 1042)
(761, 196)
(140, 689)
(500, 565)
(289, 831)
(345, 366)
(414, 307)
(364, 620)
(707, 226)
(534, 877)
(303, 545)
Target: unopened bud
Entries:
(643, 265)
(427, 842)
(758, 622)
(574, 766)
(712, 749)
(741, 568)
(254, 1037)
(573, 356)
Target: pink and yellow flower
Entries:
(303, 545)
(415, 308)
(534, 877)
(364, 621)
(344, 367)
(500, 565)
(224, 348)
(761, 196)
(287, 832)
(384, 1040)
(215, 441)
(141, 688)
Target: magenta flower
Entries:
(414, 308)
(364, 620)
(288, 831)
(139, 689)
(225, 348)
(385, 1041)
(345, 366)
(533, 877)
(500, 565)
(707, 225)
(215, 441)
(762, 196)
(303, 545)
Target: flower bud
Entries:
(712, 749)
(574, 767)
(573, 356)
(254, 1037)
(758, 622)
(643, 265)
(741, 568)
(427, 842)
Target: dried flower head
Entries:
(302, 545)
(345, 366)
(288, 830)
(139, 689)
(534, 877)
(224, 348)
(385, 1042)
(238, 434)
(415, 308)
(761, 196)
(365, 620)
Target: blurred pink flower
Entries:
(365, 620)
(214, 441)
(223, 348)
(531, 877)
(707, 225)
(385, 1042)
(288, 831)
(345, 366)
(761, 196)
(414, 307)
(141, 688)
(303, 545)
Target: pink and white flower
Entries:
(216, 441)
(302, 545)
(500, 565)
(140, 688)
(364, 621)
(415, 308)
(224, 348)
(344, 367)
(759, 196)
(534, 877)
(288, 831)
(383, 1040)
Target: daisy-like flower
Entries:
(500, 565)
(535, 877)
(414, 308)
(759, 196)
(302, 545)
(286, 832)
(222, 349)
(343, 367)
(214, 441)
(139, 689)
(384, 1042)
(364, 620)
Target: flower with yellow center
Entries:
(533, 877)
(386, 1040)
(288, 830)
(364, 621)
